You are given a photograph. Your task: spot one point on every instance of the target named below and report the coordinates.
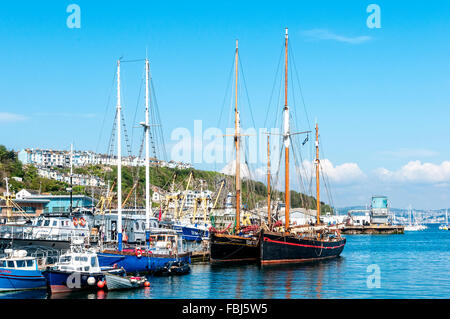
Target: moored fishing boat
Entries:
(135, 259)
(175, 268)
(77, 269)
(237, 246)
(163, 247)
(19, 272)
(299, 244)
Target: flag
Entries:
(306, 140)
(159, 218)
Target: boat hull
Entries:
(277, 248)
(15, 280)
(134, 264)
(60, 281)
(114, 282)
(229, 248)
(191, 233)
(19, 242)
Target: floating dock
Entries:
(373, 229)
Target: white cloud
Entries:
(323, 34)
(340, 174)
(11, 117)
(230, 169)
(417, 172)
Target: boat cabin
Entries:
(18, 260)
(166, 242)
(133, 222)
(59, 226)
(78, 261)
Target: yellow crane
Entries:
(105, 201)
(184, 198)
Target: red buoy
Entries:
(100, 284)
(147, 284)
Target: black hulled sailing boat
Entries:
(225, 247)
(299, 243)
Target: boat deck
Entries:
(373, 229)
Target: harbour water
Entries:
(413, 265)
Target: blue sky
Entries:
(381, 96)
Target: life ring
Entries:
(75, 221)
(138, 252)
(82, 222)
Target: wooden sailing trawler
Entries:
(298, 243)
(242, 245)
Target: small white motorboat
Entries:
(116, 282)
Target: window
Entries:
(29, 210)
(39, 223)
(30, 263)
(137, 225)
(20, 263)
(65, 259)
(93, 262)
(10, 264)
(2, 263)
(47, 222)
(55, 222)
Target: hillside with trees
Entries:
(254, 193)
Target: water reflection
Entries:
(24, 294)
(300, 280)
(412, 265)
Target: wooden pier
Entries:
(200, 256)
(373, 230)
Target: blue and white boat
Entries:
(19, 272)
(164, 246)
(192, 232)
(77, 269)
(160, 248)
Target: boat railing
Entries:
(40, 232)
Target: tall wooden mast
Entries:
(237, 143)
(286, 135)
(269, 217)
(317, 175)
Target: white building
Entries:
(54, 158)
